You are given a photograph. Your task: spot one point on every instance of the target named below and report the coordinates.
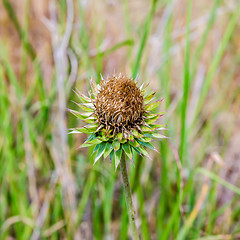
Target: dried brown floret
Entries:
(119, 105)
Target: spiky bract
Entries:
(119, 116)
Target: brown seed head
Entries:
(119, 104)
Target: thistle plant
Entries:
(120, 121)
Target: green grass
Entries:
(29, 150)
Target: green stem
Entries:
(128, 197)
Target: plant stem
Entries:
(128, 197)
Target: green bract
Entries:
(119, 118)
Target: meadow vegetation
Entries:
(189, 51)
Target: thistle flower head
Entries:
(120, 118)
(119, 105)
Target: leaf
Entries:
(147, 144)
(87, 129)
(74, 131)
(96, 148)
(145, 129)
(146, 139)
(112, 155)
(78, 130)
(152, 115)
(153, 119)
(157, 135)
(88, 107)
(80, 115)
(108, 149)
(116, 145)
(103, 138)
(158, 126)
(143, 151)
(91, 120)
(95, 141)
(152, 106)
(92, 140)
(100, 151)
(120, 136)
(117, 156)
(123, 140)
(161, 129)
(134, 143)
(82, 97)
(136, 133)
(149, 97)
(136, 149)
(143, 88)
(103, 134)
(90, 143)
(127, 149)
(92, 137)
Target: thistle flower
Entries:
(120, 120)
(119, 117)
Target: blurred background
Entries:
(188, 50)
